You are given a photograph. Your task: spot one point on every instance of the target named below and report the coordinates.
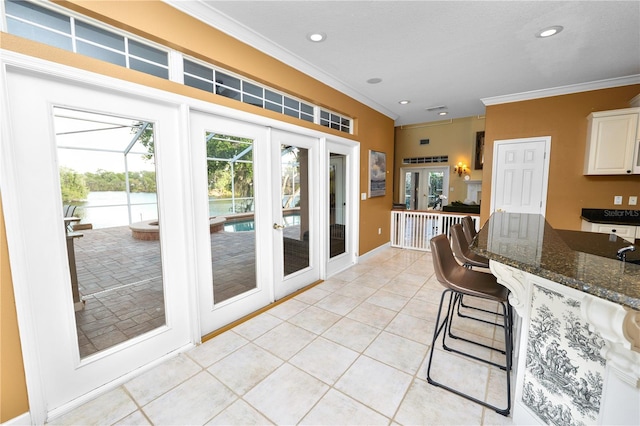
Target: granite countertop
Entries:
(581, 260)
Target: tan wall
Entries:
(13, 389)
(157, 21)
(564, 118)
(455, 138)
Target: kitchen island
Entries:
(578, 328)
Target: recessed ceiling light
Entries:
(443, 113)
(404, 102)
(374, 80)
(317, 37)
(550, 31)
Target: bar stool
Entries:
(469, 259)
(460, 281)
(461, 250)
(469, 227)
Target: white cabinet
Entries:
(627, 232)
(613, 142)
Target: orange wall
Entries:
(564, 118)
(13, 389)
(161, 23)
(455, 138)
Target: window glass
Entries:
(147, 52)
(291, 103)
(227, 80)
(291, 112)
(273, 107)
(99, 36)
(307, 109)
(228, 93)
(198, 70)
(198, 84)
(248, 99)
(306, 117)
(116, 276)
(273, 97)
(40, 15)
(252, 89)
(38, 34)
(101, 53)
(146, 67)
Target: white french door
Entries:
(425, 187)
(234, 267)
(520, 175)
(49, 309)
(272, 175)
(295, 209)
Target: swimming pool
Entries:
(248, 224)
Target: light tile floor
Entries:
(352, 350)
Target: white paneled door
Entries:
(520, 175)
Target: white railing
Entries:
(414, 229)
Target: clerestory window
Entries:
(51, 26)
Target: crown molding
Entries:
(206, 12)
(563, 90)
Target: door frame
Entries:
(545, 174)
(38, 407)
(351, 151)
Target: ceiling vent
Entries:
(436, 108)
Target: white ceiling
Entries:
(434, 53)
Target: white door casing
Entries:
(520, 175)
(351, 153)
(30, 184)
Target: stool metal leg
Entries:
(444, 328)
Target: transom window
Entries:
(225, 84)
(37, 23)
(52, 26)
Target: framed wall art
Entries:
(377, 173)
(479, 153)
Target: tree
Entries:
(72, 185)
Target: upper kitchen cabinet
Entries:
(613, 143)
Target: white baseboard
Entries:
(373, 252)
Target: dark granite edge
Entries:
(594, 290)
(610, 221)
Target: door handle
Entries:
(276, 226)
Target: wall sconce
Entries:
(460, 169)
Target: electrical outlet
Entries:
(617, 200)
(363, 196)
(633, 200)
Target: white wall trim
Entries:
(563, 90)
(373, 252)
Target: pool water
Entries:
(244, 225)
